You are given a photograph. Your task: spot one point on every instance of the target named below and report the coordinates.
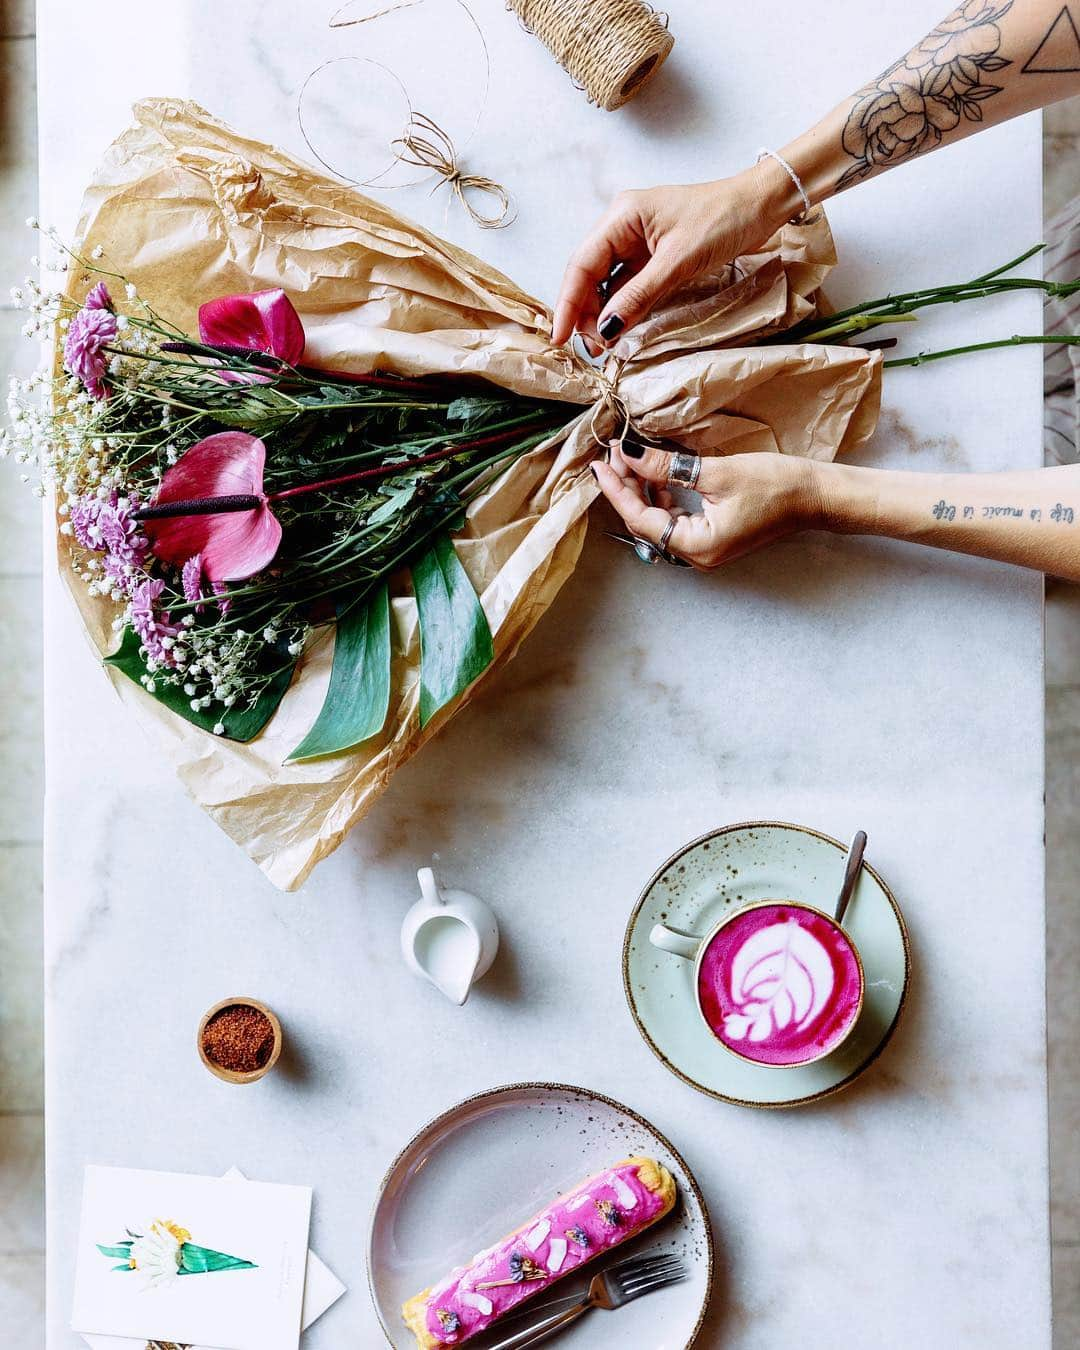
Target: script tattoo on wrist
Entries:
(948, 512)
(918, 100)
(1058, 52)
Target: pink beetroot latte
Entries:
(780, 984)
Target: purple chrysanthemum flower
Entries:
(121, 534)
(104, 526)
(152, 624)
(98, 297)
(84, 522)
(90, 332)
(191, 576)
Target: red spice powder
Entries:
(239, 1038)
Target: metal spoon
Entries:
(852, 868)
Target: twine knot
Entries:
(611, 401)
(426, 145)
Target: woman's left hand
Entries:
(747, 501)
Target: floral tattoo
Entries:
(910, 107)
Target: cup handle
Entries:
(676, 941)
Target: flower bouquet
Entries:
(318, 472)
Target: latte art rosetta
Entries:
(780, 983)
(780, 976)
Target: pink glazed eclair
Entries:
(588, 1221)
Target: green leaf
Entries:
(121, 1251)
(241, 722)
(358, 696)
(455, 640)
(398, 500)
(468, 409)
(196, 1260)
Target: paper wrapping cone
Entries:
(187, 210)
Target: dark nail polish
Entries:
(605, 288)
(592, 470)
(611, 327)
(632, 449)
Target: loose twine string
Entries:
(609, 48)
(423, 142)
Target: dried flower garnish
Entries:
(522, 1268)
(525, 1268)
(578, 1236)
(449, 1321)
(607, 1211)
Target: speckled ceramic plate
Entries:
(484, 1166)
(720, 873)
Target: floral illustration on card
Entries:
(164, 1251)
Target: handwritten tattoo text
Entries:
(945, 511)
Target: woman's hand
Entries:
(664, 237)
(747, 501)
(972, 71)
(1030, 517)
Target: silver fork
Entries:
(609, 1289)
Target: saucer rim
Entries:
(631, 927)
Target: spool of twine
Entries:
(610, 48)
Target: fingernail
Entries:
(632, 449)
(611, 327)
(592, 470)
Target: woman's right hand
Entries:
(664, 237)
(747, 501)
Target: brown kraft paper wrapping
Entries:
(187, 210)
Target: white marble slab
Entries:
(836, 682)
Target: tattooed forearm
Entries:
(919, 99)
(1058, 52)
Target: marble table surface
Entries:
(835, 682)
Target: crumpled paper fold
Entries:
(188, 209)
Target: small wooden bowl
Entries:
(233, 1075)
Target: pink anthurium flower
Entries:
(263, 321)
(228, 520)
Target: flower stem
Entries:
(857, 323)
(1017, 340)
(382, 470)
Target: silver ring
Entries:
(665, 539)
(684, 470)
(646, 550)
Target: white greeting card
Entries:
(202, 1260)
(322, 1289)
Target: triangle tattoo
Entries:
(1059, 51)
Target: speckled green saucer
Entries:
(717, 874)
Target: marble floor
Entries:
(21, 1131)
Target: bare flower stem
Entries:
(1017, 340)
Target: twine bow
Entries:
(426, 145)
